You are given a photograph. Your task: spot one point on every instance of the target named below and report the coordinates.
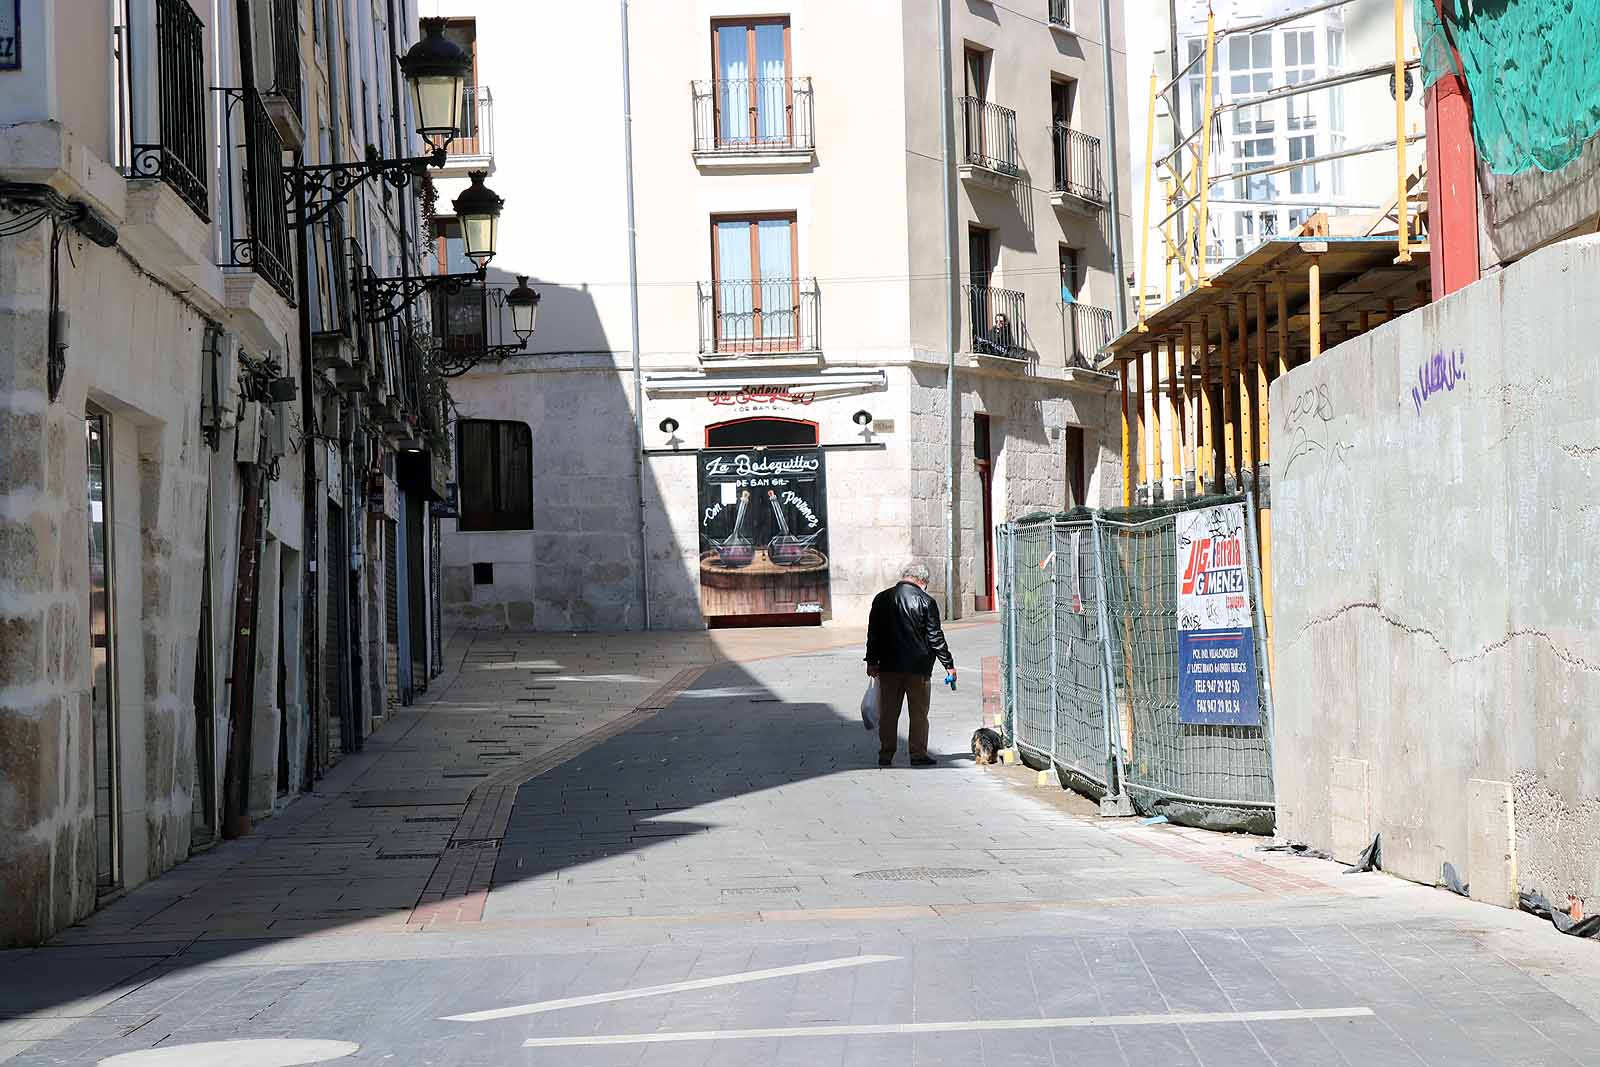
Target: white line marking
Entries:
(661, 990)
(1185, 1019)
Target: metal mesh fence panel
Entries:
(1224, 766)
(1030, 583)
(1080, 735)
(1090, 646)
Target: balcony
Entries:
(1085, 331)
(258, 220)
(177, 155)
(989, 144)
(473, 145)
(1061, 15)
(767, 319)
(337, 261)
(997, 321)
(754, 123)
(1079, 184)
(281, 60)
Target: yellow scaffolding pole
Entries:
(1404, 208)
(1127, 444)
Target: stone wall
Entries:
(135, 349)
(1438, 596)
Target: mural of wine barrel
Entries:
(765, 564)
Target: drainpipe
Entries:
(633, 308)
(1111, 147)
(947, 122)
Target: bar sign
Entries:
(11, 35)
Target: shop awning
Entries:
(811, 383)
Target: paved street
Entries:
(678, 849)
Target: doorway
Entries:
(980, 273)
(1077, 468)
(102, 654)
(983, 456)
(975, 90)
(203, 806)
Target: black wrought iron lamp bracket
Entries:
(455, 364)
(386, 298)
(316, 190)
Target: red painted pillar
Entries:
(1452, 187)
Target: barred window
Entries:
(495, 475)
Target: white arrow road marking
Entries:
(661, 990)
(277, 1052)
(1186, 1019)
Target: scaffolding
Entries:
(1184, 172)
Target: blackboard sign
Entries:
(763, 532)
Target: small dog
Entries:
(986, 746)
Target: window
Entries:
(1303, 180)
(1250, 75)
(1255, 154)
(753, 90)
(495, 473)
(1337, 166)
(463, 33)
(762, 432)
(756, 293)
(1299, 63)
(1071, 279)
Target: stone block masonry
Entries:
(1437, 588)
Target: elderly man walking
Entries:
(903, 639)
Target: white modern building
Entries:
(784, 445)
(1346, 39)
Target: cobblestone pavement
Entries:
(678, 849)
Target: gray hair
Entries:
(917, 572)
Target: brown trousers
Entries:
(914, 690)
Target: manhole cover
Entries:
(921, 874)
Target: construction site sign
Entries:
(1216, 638)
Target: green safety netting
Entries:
(1532, 68)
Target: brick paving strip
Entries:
(460, 884)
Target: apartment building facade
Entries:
(207, 443)
(782, 447)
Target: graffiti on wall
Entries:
(1438, 375)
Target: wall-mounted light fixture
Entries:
(669, 425)
(862, 417)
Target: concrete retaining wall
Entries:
(1437, 580)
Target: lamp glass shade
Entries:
(478, 234)
(437, 99)
(524, 304)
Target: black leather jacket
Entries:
(903, 632)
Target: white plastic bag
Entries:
(869, 705)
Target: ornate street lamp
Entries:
(524, 305)
(478, 211)
(436, 70)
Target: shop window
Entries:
(752, 433)
(495, 475)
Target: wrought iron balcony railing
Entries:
(771, 315)
(475, 129)
(285, 18)
(1078, 168)
(1085, 331)
(258, 218)
(990, 135)
(1061, 13)
(753, 115)
(998, 321)
(178, 155)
